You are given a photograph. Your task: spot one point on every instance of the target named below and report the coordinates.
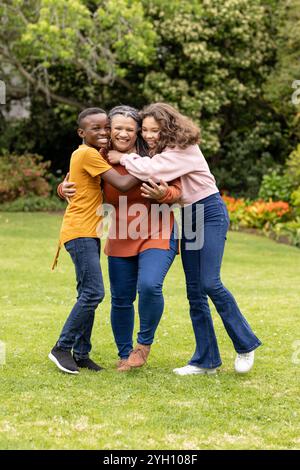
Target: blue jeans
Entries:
(144, 273)
(202, 271)
(76, 333)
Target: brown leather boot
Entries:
(123, 366)
(139, 355)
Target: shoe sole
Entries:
(135, 366)
(243, 371)
(53, 359)
(196, 373)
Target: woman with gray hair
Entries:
(137, 263)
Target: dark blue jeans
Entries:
(76, 333)
(144, 273)
(202, 271)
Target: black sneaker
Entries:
(64, 360)
(88, 364)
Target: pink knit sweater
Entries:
(189, 164)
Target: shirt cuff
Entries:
(123, 159)
(165, 198)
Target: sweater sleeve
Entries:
(167, 166)
(173, 194)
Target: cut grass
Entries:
(149, 408)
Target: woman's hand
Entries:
(114, 157)
(68, 189)
(154, 191)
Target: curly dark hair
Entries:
(177, 130)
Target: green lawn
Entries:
(149, 408)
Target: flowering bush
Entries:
(262, 215)
(236, 210)
(256, 214)
(23, 175)
(276, 219)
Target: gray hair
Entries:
(133, 113)
(126, 111)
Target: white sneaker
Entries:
(193, 370)
(244, 362)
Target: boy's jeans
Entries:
(76, 333)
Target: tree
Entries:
(209, 58)
(283, 86)
(39, 38)
(212, 62)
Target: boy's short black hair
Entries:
(88, 112)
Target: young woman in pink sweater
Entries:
(173, 152)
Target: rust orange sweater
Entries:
(133, 231)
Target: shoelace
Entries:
(138, 350)
(122, 362)
(244, 356)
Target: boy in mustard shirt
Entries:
(79, 236)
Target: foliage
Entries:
(288, 230)
(23, 176)
(214, 58)
(275, 219)
(48, 41)
(293, 166)
(282, 88)
(276, 186)
(295, 200)
(262, 215)
(211, 59)
(236, 210)
(49, 132)
(242, 162)
(34, 204)
(255, 214)
(283, 183)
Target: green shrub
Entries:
(295, 201)
(288, 230)
(33, 204)
(22, 176)
(54, 179)
(293, 166)
(276, 186)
